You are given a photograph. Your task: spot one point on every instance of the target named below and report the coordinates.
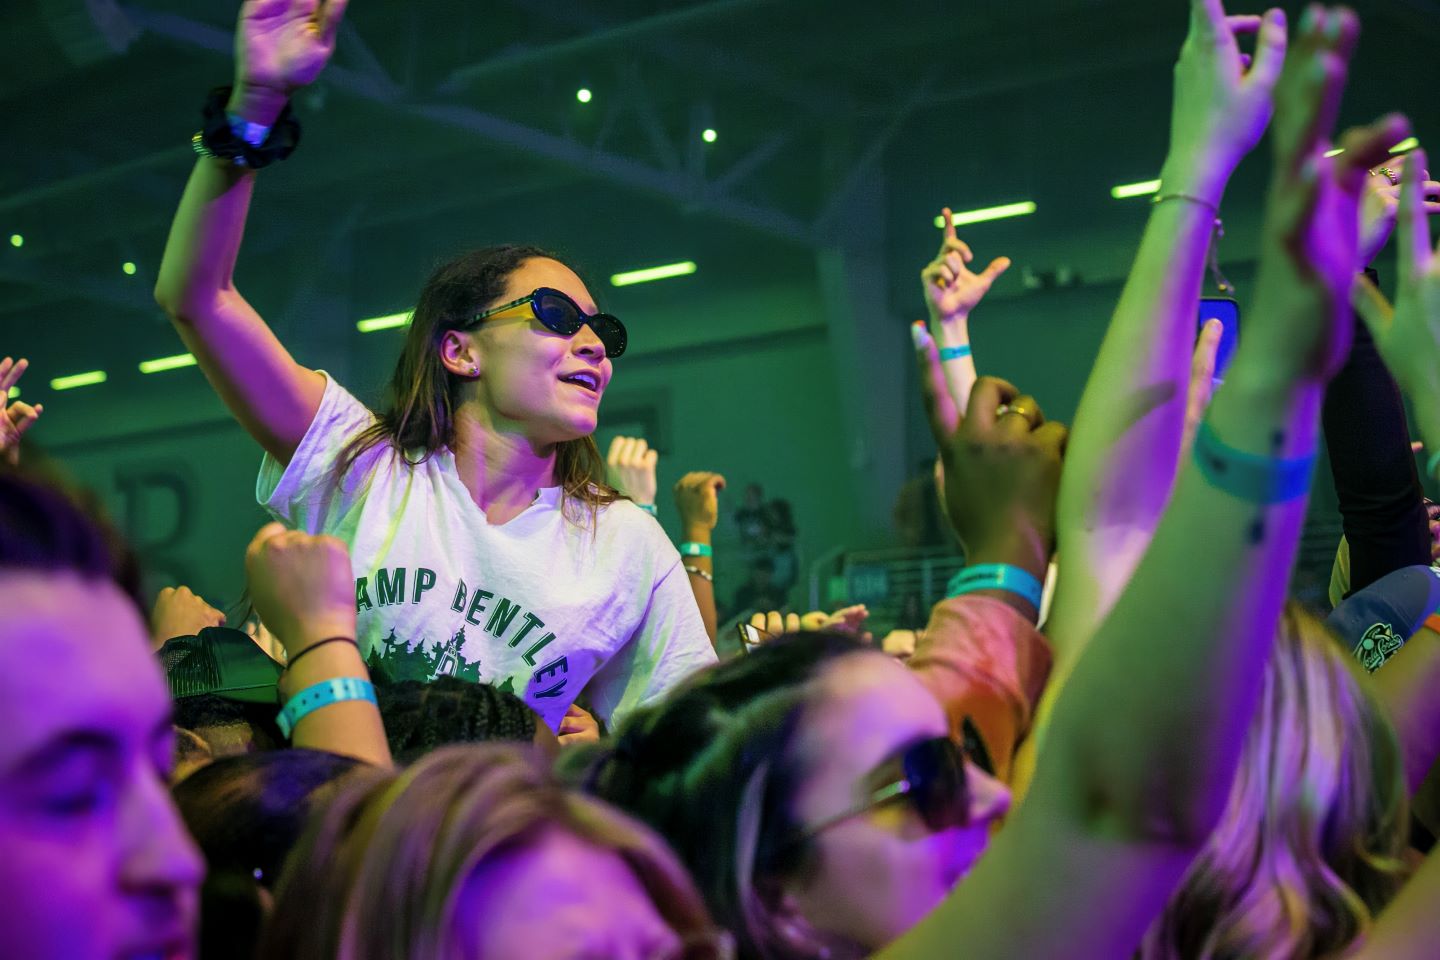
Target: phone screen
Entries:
(750, 637)
(1227, 311)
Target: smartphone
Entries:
(750, 636)
(1227, 311)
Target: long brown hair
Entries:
(379, 872)
(422, 397)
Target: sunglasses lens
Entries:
(611, 333)
(558, 313)
(936, 771)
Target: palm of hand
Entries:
(280, 46)
(961, 297)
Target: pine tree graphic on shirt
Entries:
(399, 660)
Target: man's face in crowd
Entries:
(97, 864)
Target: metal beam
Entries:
(631, 32)
(711, 63)
(674, 185)
(741, 169)
(874, 151)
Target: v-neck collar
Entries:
(546, 498)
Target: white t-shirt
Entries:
(540, 606)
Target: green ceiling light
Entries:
(168, 363)
(709, 135)
(129, 268)
(1142, 189)
(584, 95)
(1406, 145)
(16, 240)
(387, 322)
(14, 392)
(1021, 209)
(1334, 153)
(665, 272)
(87, 379)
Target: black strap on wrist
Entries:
(296, 659)
(217, 139)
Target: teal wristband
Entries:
(997, 576)
(322, 694)
(647, 507)
(691, 549)
(954, 353)
(1249, 476)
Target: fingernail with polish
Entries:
(919, 334)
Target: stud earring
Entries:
(474, 371)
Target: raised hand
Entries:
(15, 417)
(630, 468)
(697, 497)
(180, 612)
(1408, 335)
(302, 586)
(1381, 199)
(952, 290)
(1310, 243)
(848, 620)
(1222, 100)
(283, 45)
(1001, 464)
(774, 624)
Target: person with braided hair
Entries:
(419, 716)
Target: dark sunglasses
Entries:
(561, 315)
(932, 780)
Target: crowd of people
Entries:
(479, 708)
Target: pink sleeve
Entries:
(984, 661)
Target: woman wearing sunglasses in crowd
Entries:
(484, 542)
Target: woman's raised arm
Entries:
(280, 46)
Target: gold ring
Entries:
(1023, 411)
(1389, 174)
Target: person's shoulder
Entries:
(624, 524)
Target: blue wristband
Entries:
(647, 507)
(954, 353)
(1249, 476)
(322, 694)
(691, 549)
(252, 133)
(997, 576)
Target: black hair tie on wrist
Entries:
(217, 138)
(296, 659)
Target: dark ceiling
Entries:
(441, 124)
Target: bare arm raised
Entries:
(280, 46)
(1140, 758)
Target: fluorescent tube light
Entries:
(162, 364)
(665, 272)
(89, 378)
(1024, 208)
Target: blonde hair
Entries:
(1309, 847)
(379, 872)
